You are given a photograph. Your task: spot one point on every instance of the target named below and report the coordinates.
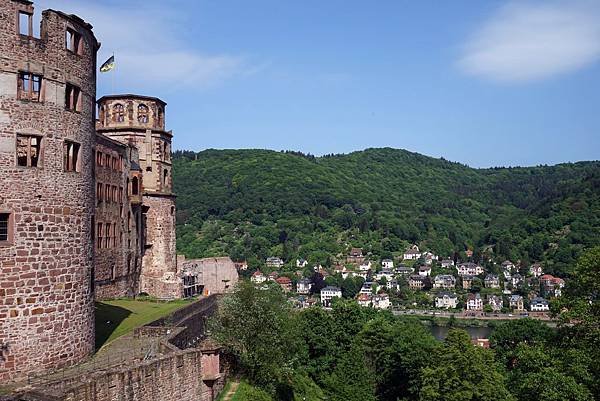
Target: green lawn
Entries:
(117, 317)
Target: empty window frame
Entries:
(99, 236)
(143, 112)
(5, 228)
(71, 154)
(72, 97)
(118, 113)
(73, 41)
(99, 188)
(28, 150)
(99, 159)
(135, 189)
(29, 87)
(25, 24)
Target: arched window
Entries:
(160, 117)
(118, 113)
(135, 186)
(143, 114)
(165, 176)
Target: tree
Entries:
(507, 336)
(461, 371)
(257, 327)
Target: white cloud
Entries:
(151, 45)
(527, 41)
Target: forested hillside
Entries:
(251, 204)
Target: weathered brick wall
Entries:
(118, 252)
(46, 299)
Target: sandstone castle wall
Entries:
(47, 199)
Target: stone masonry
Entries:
(47, 136)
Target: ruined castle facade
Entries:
(86, 204)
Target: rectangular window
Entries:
(107, 160)
(29, 87)
(71, 153)
(72, 98)
(99, 236)
(99, 158)
(99, 192)
(4, 227)
(28, 150)
(73, 41)
(25, 24)
(115, 235)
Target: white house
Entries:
(404, 270)
(539, 305)
(387, 264)
(328, 293)
(258, 277)
(424, 271)
(474, 302)
(303, 286)
(447, 263)
(536, 270)
(385, 272)
(508, 265)
(364, 266)
(364, 299)
(516, 303)
(516, 280)
(412, 253)
(469, 269)
(444, 281)
(492, 281)
(446, 300)
(429, 257)
(416, 282)
(301, 263)
(274, 262)
(392, 285)
(368, 286)
(381, 301)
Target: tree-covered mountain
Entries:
(251, 204)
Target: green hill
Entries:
(251, 204)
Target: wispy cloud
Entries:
(527, 41)
(151, 50)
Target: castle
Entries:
(86, 204)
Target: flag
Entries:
(108, 64)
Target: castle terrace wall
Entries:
(46, 292)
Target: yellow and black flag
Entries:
(108, 64)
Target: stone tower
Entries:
(139, 121)
(47, 135)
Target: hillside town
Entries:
(416, 282)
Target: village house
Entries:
(474, 302)
(469, 269)
(447, 263)
(481, 342)
(516, 303)
(258, 277)
(365, 266)
(285, 283)
(446, 300)
(551, 286)
(274, 262)
(416, 282)
(516, 280)
(241, 266)
(424, 271)
(302, 263)
(385, 273)
(355, 256)
(495, 302)
(273, 276)
(304, 286)
(536, 270)
(387, 264)
(467, 282)
(369, 287)
(404, 270)
(491, 281)
(539, 304)
(364, 299)
(429, 257)
(328, 293)
(412, 253)
(507, 265)
(444, 281)
(381, 301)
(342, 271)
(393, 285)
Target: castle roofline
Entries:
(131, 96)
(73, 18)
(133, 128)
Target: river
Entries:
(440, 332)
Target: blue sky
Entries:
(484, 83)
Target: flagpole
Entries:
(112, 77)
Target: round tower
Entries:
(140, 122)
(47, 135)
